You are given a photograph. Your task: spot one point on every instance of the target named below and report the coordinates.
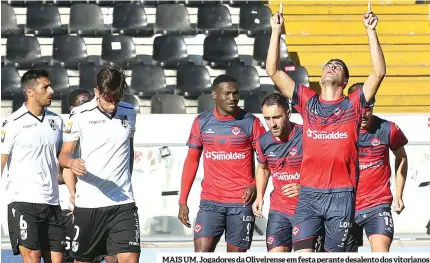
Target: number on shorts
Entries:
(22, 223)
(248, 228)
(77, 232)
(67, 243)
(388, 221)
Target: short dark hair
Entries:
(32, 76)
(355, 86)
(111, 79)
(73, 96)
(345, 68)
(276, 99)
(223, 78)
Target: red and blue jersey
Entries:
(228, 145)
(375, 171)
(284, 159)
(330, 135)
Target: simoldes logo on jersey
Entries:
(283, 176)
(321, 135)
(224, 156)
(364, 166)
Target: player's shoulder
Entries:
(205, 116)
(84, 108)
(126, 108)
(265, 139)
(297, 127)
(246, 115)
(51, 114)
(15, 116)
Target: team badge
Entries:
(3, 135)
(235, 130)
(375, 141)
(270, 240)
(296, 230)
(293, 151)
(124, 120)
(52, 124)
(198, 228)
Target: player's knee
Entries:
(31, 256)
(128, 257)
(380, 243)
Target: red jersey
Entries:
(330, 128)
(284, 159)
(375, 171)
(228, 145)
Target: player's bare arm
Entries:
(279, 77)
(401, 168)
(70, 181)
(373, 82)
(65, 159)
(261, 178)
(291, 190)
(4, 158)
(189, 172)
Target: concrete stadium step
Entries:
(403, 100)
(401, 109)
(354, 18)
(358, 39)
(366, 70)
(356, 48)
(346, 3)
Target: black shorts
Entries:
(68, 224)
(105, 231)
(36, 227)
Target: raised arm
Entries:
(374, 81)
(279, 77)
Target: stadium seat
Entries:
(107, 3)
(130, 19)
(252, 102)
(59, 80)
(269, 88)
(24, 52)
(146, 3)
(196, 3)
(215, 19)
(17, 3)
(173, 19)
(87, 20)
(298, 73)
(17, 100)
(119, 50)
(133, 101)
(220, 51)
(246, 76)
(88, 76)
(148, 80)
(69, 51)
(170, 51)
(193, 80)
(10, 82)
(261, 45)
(9, 26)
(43, 20)
(254, 20)
(205, 102)
(167, 104)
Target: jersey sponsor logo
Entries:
(97, 122)
(235, 130)
(321, 135)
(209, 131)
(124, 120)
(293, 151)
(375, 141)
(224, 156)
(377, 164)
(271, 154)
(29, 126)
(52, 124)
(283, 176)
(3, 135)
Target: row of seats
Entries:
(168, 51)
(43, 20)
(149, 80)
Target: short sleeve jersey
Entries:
(105, 147)
(375, 171)
(228, 145)
(33, 143)
(330, 128)
(284, 159)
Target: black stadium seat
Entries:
(298, 73)
(43, 20)
(10, 82)
(17, 3)
(87, 20)
(193, 80)
(173, 19)
(69, 51)
(254, 20)
(220, 51)
(133, 101)
(252, 102)
(88, 76)
(261, 45)
(118, 50)
(9, 26)
(170, 51)
(215, 19)
(246, 76)
(130, 19)
(24, 52)
(205, 102)
(167, 104)
(148, 80)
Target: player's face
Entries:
(227, 96)
(367, 117)
(42, 92)
(333, 74)
(276, 119)
(106, 102)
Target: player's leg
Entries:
(308, 223)
(338, 220)
(111, 259)
(23, 231)
(123, 238)
(278, 232)
(68, 225)
(355, 238)
(88, 238)
(240, 222)
(380, 229)
(56, 235)
(209, 227)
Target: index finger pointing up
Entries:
(281, 8)
(369, 6)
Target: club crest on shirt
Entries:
(235, 130)
(293, 151)
(68, 127)
(124, 120)
(52, 124)
(3, 135)
(375, 141)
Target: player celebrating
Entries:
(331, 124)
(30, 141)
(105, 215)
(226, 136)
(374, 198)
(280, 154)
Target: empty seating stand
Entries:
(148, 80)
(130, 19)
(87, 20)
(119, 50)
(215, 19)
(193, 80)
(43, 20)
(69, 51)
(220, 51)
(10, 82)
(24, 52)
(254, 19)
(170, 51)
(173, 19)
(9, 26)
(167, 104)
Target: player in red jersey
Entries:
(374, 200)
(226, 137)
(331, 123)
(280, 154)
